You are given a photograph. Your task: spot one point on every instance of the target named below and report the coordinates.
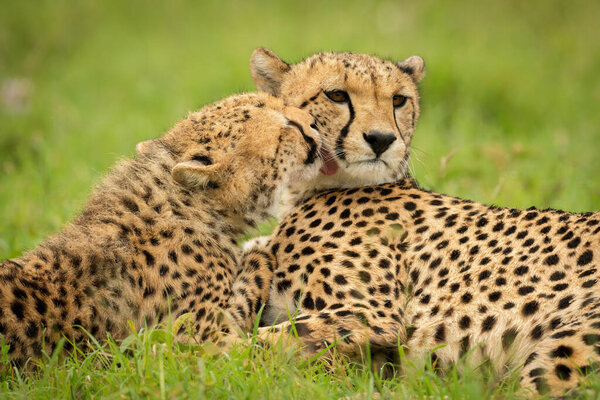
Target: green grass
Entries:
(509, 116)
(151, 364)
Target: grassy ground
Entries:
(510, 116)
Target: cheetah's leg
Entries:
(570, 350)
(250, 289)
(347, 327)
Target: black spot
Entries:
(484, 275)
(130, 204)
(410, 206)
(488, 323)
(315, 223)
(465, 322)
(591, 339)
(560, 287)
(588, 284)
(565, 302)
(40, 306)
(149, 258)
(562, 352)
(163, 270)
(284, 285)
(551, 260)
(440, 333)
(258, 281)
(365, 276)
(562, 334)
(522, 270)
(563, 372)
(494, 296)
(557, 276)
(32, 330)
(308, 251)
(585, 258)
(320, 304)
(308, 302)
(525, 290)
(17, 308)
(454, 255)
(537, 332)
(530, 308)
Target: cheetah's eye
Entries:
(399, 100)
(339, 96)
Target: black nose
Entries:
(378, 141)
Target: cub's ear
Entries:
(413, 66)
(144, 148)
(267, 70)
(195, 174)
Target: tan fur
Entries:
(395, 264)
(371, 84)
(157, 236)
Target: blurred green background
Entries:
(509, 103)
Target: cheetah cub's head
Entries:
(366, 109)
(241, 150)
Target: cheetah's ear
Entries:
(194, 174)
(267, 70)
(413, 66)
(144, 148)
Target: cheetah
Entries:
(366, 109)
(158, 235)
(398, 265)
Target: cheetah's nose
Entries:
(379, 141)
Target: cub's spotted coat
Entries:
(159, 232)
(366, 109)
(396, 264)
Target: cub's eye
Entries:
(339, 96)
(399, 100)
(314, 126)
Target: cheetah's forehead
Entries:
(359, 65)
(354, 71)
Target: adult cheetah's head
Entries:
(366, 109)
(241, 149)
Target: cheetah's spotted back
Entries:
(395, 263)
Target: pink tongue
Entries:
(330, 166)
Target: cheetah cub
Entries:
(158, 234)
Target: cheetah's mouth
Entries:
(330, 166)
(370, 161)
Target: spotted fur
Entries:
(395, 264)
(158, 234)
